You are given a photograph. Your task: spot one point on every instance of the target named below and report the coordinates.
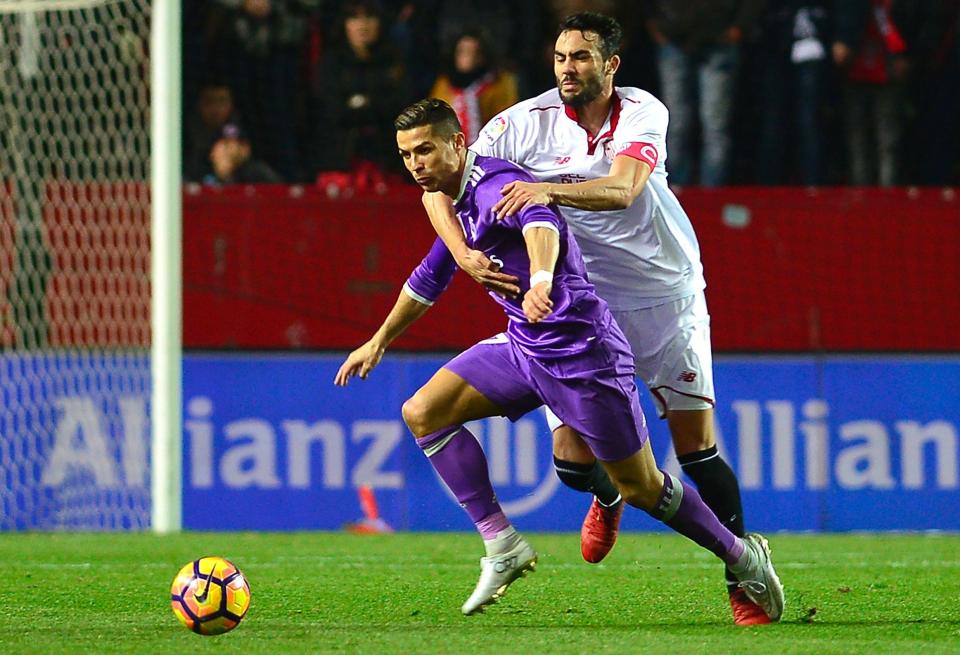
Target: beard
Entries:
(590, 90)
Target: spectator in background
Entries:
(262, 54)
(414, 33)
(698, 43)
(938, 127)
(517, 28)
(473, 85)
(232, 162)
(871, 48)
(205, 126)
(363, 86)
(793, 52)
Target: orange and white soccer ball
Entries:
(210, 596)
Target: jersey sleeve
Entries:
(429, 279)
(642, 132)
(538, 216)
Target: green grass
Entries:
(329, 592)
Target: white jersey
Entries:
(642, 256)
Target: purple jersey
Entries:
(579, 316)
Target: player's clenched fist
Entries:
(360, 362)
(536, 302)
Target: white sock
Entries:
(505, 540)
(747, 561)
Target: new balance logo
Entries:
(560, 161)
(505, 564)
(687, 376)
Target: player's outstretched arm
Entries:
(363, 360)
(543, 248)
(472, 262)
(617, 190)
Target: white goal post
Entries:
(166, 273)
(90, 265)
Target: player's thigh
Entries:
(692, 430)
(487, 379)
(446, 399)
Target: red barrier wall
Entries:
(787, 269)
(86, 282)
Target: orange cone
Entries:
(371, 523)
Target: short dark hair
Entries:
(430, 111)
(355, 8)
(607, 29)
(478, 35)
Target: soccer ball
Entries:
(210, 596)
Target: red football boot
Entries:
(599, 531)
(745, 611)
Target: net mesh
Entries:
(74, 264)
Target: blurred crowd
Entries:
(772, 92)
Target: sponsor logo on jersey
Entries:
(572, 178)
(687, 376)
(560, 161)
(495, 129)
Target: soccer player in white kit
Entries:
(598, 152)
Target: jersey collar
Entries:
(467, 170)
(614, 119)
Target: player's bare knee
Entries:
(416, 414)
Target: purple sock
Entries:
(460, 462)
(681, 508)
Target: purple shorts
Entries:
(593, 392)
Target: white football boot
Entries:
(496, 574)
(759, 580)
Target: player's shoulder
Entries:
(641, 112)
(496, 171)
(523, 119)
(531, 107)
(634, 101)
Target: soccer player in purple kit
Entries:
(562, 347)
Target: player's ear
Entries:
(460, 140)
(612, 65)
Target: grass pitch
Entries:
(330, 592)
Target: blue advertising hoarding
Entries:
(826, 444)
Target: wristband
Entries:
(541, 276)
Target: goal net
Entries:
(74, 264)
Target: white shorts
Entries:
(671, 349)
